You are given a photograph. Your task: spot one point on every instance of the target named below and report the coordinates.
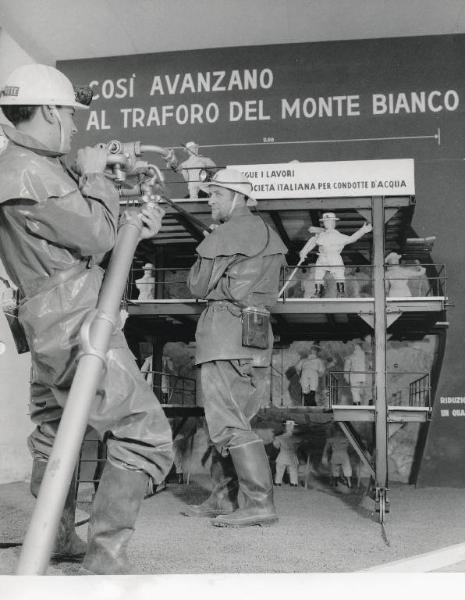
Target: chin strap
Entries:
(233, 205)
(60, 125)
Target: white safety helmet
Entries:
(191, 146)
(37, 85)
(393, 258)
(327, 216)
(231, 180)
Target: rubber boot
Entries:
(68, 545)
(223, 497)
(318, 290)
(113, 517)
(255, 488)
(310, 398)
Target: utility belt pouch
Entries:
(255, 327)
(17, 331)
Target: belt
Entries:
(225, 305)
(58, 278)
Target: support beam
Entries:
(277, 221)
(380, 344)
(354, 440)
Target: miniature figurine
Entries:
(146, 284)
(192, 166)
(336, 455)
(397, 276)
(355, 372)
(330, 243)
(310, 368)
(287, 457)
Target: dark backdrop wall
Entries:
(332, 101)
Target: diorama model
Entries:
(287, 457)
(397, 276)
(330, 243)
(310, 368)
(355, 373)
(336, 455)
(146, 284)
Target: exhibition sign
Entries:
(348, 100)
(329, 179)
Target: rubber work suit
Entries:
(233, 376)
(54, 232)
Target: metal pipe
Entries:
(41, 534)
(165, 152)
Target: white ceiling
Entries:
(51, 30)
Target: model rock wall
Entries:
(407, 361)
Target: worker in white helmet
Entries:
(56, 226)
(330, 243)
(237, 271)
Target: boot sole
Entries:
(261, 523)
(59, 557)
(210, 514)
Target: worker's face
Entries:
(68, 126)
(220, 201)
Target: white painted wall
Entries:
(15, 426)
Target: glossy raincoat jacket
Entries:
(238, 265)
(55, 230)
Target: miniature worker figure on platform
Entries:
(330, 244)
(310, 368)
(336, 455)
(146, 284)
(191, 167)
(397, 276)
(287, 457)
(355, 372)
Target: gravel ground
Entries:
(319, 531)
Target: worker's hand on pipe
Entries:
(151, 217)
(91, 160)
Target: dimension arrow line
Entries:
(436, 136)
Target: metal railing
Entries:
(420, 392)
(151, 284)
(356, 280)
(406, 280)
(403, 388)
(172, 389)
(148, 284)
